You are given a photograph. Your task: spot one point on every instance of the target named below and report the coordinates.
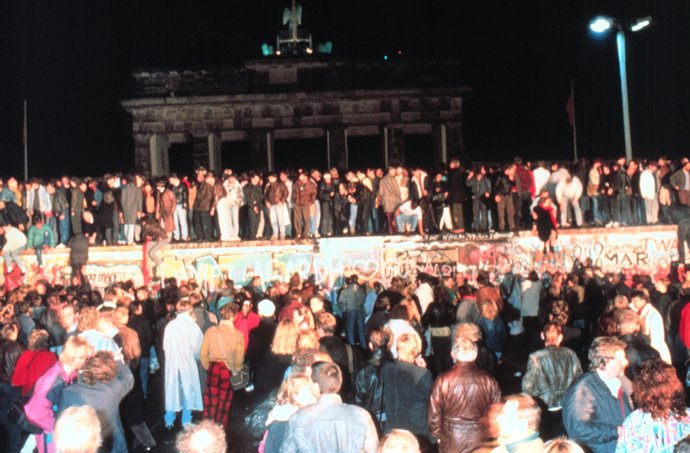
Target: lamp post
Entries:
(602, 25)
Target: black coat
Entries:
(142, 326)
(260, 341)
(367, 381)
(406, 394)
(13, 215)
(78, 250)
(457, 188)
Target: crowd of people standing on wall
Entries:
(502, 363)
(460, 198)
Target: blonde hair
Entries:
(206, 437)
(408, 346)
(488, 309)
(307, 339)
(73, 347)
(398, 441)
(120, 315)
(412, 310)
(292, 385)
(285, 338)
(78, 430)
(88, 319)
(469, 331)
(307, 315)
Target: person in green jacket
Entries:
(41, 237)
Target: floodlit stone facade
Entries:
(271, 99)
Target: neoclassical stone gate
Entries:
(293, 99)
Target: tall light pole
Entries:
(602, 25)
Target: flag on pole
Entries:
(570, 107)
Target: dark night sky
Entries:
(71, 59)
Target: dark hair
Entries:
(683, 445)
(382, 303)
(658, 391)
(326, 322)
(607, 325)
(9, 354)
(100, 368)
(379, 339)
(640, 295)
(229, 310)
(400, 312)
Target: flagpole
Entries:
(572, 93)
(25, 139)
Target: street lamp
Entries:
(602, 25)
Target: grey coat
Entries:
(389, 191)
(105, 398)
(132, 200)
(330, 426)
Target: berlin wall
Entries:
(634, 250)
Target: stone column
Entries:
(159, 146)
(214, 144)
(337, 147)
(396, 145)
(440, 143)
(142, 153)
(261, 143)
(454, 139)
(200, 151)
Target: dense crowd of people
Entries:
(583, 360)
(207, 207)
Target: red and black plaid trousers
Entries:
(218, 393)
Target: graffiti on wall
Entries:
(629, 251)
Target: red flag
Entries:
(570, 108)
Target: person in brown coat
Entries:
(166, 205)
(158, 240)
(459, 399)
(304, 195)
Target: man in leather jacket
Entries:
(459, 399)
(181, 205)
(368, 377)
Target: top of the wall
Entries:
(280, 75)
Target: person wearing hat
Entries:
(261, 337)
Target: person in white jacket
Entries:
(232, 202)
(15, 241)
(649, 190)
(568, 193)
